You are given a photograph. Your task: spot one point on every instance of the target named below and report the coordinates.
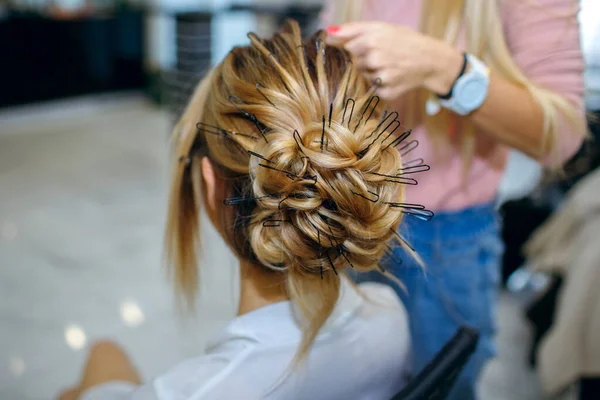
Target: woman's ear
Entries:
(210, 186)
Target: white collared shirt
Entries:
(361, 353)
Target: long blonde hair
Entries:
(485, 39)
(295, 133)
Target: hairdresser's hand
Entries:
(402, 58)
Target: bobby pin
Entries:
(416, 210)
(323, 134)
(365, 108)
(289, 174)
(281, 202)
(215, 130)
(382, 120)
(340, 248)
(298, 140)
(331, 262)
(343, 253)
(386, 128)
(350, 99)
(413, 169)
(259, 156)
(270, 223)
(330, 113)
(260, 85)
(408, 147)
(403, 136)
(366, 198)
(397, 179)
(375, 84)
(233, 201)
(261, 128)
(404, 241)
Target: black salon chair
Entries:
(436, 380)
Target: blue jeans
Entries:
(459, 285)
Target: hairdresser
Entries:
(473, 79)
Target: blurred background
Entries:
(89, 91)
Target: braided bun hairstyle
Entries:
(309, 163)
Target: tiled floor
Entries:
(82, 200)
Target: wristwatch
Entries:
(468, 92)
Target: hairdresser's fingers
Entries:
(359, 47)
(350, 30)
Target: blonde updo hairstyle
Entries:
(316, 201)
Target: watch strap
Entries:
(463, 69)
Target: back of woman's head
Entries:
(310, 165)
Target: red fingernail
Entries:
(333, 29)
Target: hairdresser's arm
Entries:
(406, 60)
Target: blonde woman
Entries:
(473, 78)
(297, 188)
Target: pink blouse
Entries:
(544, 42)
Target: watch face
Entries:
(472, 93)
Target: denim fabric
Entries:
(458, 286)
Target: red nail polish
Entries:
(333, 29)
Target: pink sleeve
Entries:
(543, 37)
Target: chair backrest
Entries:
(436, 380)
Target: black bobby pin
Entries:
(260, 85)
(413, 169)
(392, 132)
(343, 253)
(330, 113)
(396, 179)
(366, 198)
(365, 108)
(381, 124)
(215, 130)
(331, 262)
(289, 174)
(350, 99)
(281, 202)
(298, 140)
(233, 201)
(271, 223)
(375, 84)
(408, 147)
(261, 128)
(401, 239)
(403, 136)
(260, 156)
(323, 134)
(384, 119)
(416, 210)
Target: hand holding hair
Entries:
(403, 58)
